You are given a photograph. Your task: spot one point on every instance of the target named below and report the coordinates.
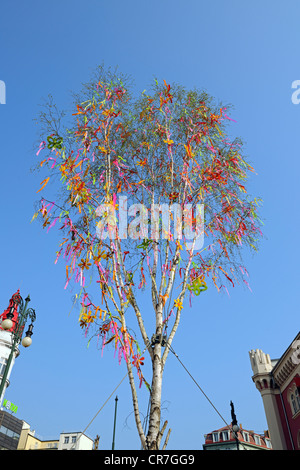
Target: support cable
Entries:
(99, 410)
(194, 380)
(229, 427)
(102, 406)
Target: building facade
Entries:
(278, 382)
(225, 439)
(10, 431)
(74, 441)
(66, 441)
(28, 440)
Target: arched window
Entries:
(265, 383)
(294, 399)
(297, 397)
(294, 404)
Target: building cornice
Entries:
(286, 366)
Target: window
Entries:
(294, 399)
(297, 396)
(257, 440)
(268, 444)
(215, 436)
(66, 441)
(3, 363)
(9, 432)
(73, 439)
(225, 436)
(294, 403)
(246, 436)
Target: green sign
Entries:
(10, 406)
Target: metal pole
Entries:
(113, 443)
(6, 370)
(237, 442)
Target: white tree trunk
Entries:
(155, 405)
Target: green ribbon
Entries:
(54, 142)
(197, 287)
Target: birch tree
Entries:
(149, 195)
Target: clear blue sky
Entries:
(244, 53)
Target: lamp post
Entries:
(235, 426)
(114, 432)
(16, 328)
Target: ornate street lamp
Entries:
(14, 322)
(235, 426)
